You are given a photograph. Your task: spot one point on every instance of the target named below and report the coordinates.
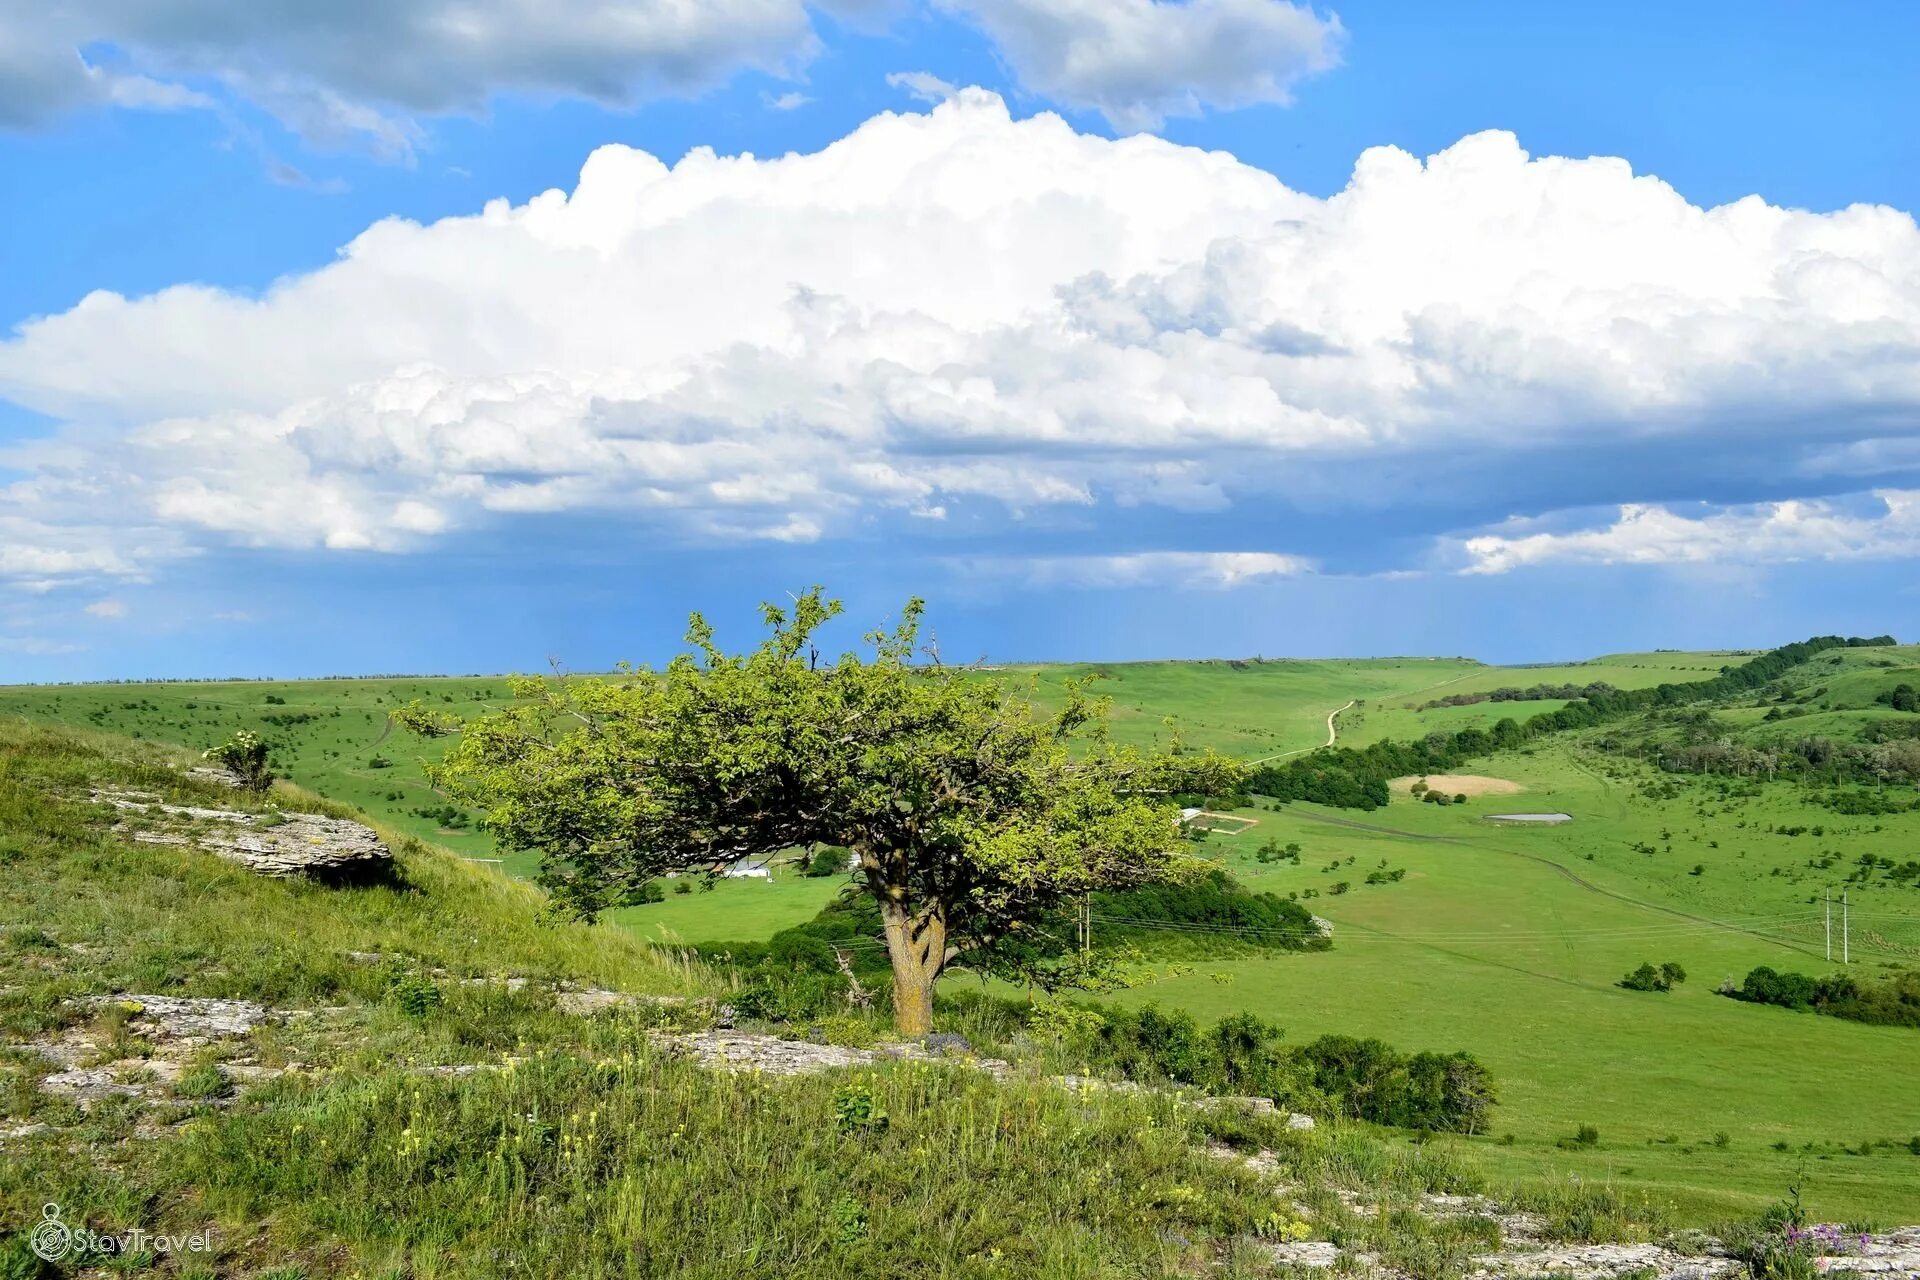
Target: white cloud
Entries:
(109, 609)
(924, 86)
(1139, 61)
(790, 101)
(956, 312)
(1768, 533)
(360, 71)
(1206, 569)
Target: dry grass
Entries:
(1457, 784)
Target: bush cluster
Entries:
(1651, 978)
(1892, 1002)
(1242, 1055)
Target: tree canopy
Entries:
(972, 815)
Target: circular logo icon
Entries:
(52, 1238)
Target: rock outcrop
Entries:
(333, 850)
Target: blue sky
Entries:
(1137, 329)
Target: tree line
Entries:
(1532, 693)
(1357, 777)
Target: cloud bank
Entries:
(358, 71)
(1139, 61)
(952, 319)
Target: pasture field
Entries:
(1504, 941)
(1508, 941)
(1404, 718)
(1249, 708)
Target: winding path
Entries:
(1332, 734)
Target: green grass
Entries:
(732, 911)
(578, 1147)
(1508, 942)
(1250, 707)
(1505, 942)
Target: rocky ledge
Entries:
(283, 845)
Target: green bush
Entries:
(245, 756)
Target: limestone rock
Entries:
(1605, 1262)
(334, 850)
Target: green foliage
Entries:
(1902, 697)
(415, 995)
(857, 1109)
(201, 1082)
(968, 809)
(18, 1261)
(1894, 1001)
(245, 756)
(1243, 1055)
(1650, 978)
(1373, 1081)
(826, 861)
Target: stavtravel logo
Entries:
(53, 1240)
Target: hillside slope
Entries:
(425, 1078)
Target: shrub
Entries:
(1584, 1138)
(827, 860)
(415, 995)
(1649, 978)
(202, 1083)
(245, 756)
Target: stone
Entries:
(1297, 1121)
(187, 1019)
(1317, 1254)
(1605, 1262)
(947, 1042)
(333, 850)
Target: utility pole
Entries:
(1826, 898)
(1846, 950)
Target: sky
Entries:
(473, 335)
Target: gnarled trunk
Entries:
(917, 946)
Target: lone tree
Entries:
(971, 814)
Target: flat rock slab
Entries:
(744, 1051)
(1605, 1262)
(298, 844)
(1317, 1254)
(190, 1019)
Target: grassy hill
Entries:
(1509, 941)
(1504, 941)
(413, 1100)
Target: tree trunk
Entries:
(917, 947)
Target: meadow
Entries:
(1504, 941)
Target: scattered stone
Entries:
(1895, 1252)
(88, 1085)
(744, 1051)
(1605, 1262)
(946, 1042)
(20, 1131)
(1299, 1122)
(584, 1004)
(217, 776)
(1305, 1253)
(188, 1020)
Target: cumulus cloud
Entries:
(1138, 62)
(360, 71)
(109, 609)
(1768, 533)
(951, 315)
